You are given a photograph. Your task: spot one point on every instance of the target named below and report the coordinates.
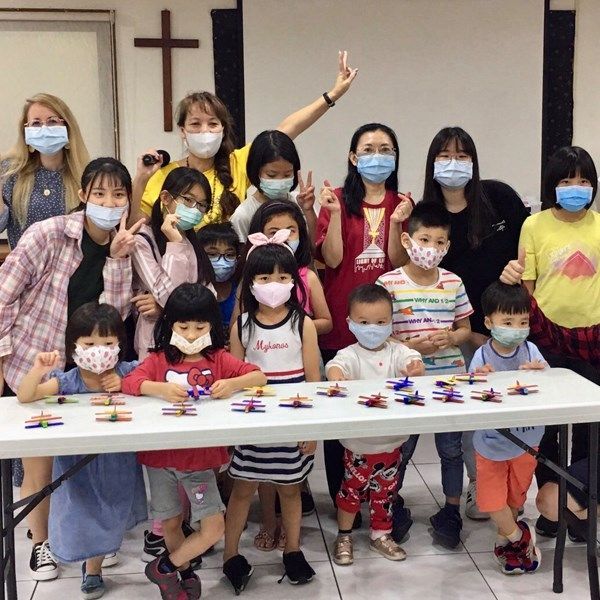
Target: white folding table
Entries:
(563, 398)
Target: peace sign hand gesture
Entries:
(329, 201)
(344, 78)
(306, 195)
(122, 244)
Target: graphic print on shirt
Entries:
(202, 378)
(572, 262)
(373, 255)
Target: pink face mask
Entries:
(272, 294)
(96, 359)
(425, 257)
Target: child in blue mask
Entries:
(504, 470)
(370, 464)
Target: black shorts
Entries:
(579, 470)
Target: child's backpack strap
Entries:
(151, 244)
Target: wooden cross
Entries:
(166, 42)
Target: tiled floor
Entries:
(430, 572)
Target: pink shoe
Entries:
(168, 583)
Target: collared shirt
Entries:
(33, 292)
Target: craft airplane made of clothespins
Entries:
(114, 415)
(42, 421)
(60, 400)
(448, 395)
(259, 391)
(248, 406)
(196, 392)
(399, 384)
(490, 395)
(180, 409)
(446, 383)
(410, 398)
(470, 378)
(296, 401)
(522, 389)
(107, 400)
(333, 390)
(374, 401)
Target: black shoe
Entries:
(42, 566)
(238, 570)
(308, 504)
(401, 522)
(29, 534)
(447, 526)
(154, 546)
(298, 571)
(357, 521)
(546, 527)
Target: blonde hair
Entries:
(24, 164)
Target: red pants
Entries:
(372, 475)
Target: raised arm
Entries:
(332, 248)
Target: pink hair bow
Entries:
(260, 239)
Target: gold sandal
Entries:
(264, 541)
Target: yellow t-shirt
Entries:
(237, 163)
(564, 260)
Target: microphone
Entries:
(150, 159)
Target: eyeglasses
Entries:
(191, 202)
(230, 257)
(49, 122)
(369, 151)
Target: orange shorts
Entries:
(503, 482)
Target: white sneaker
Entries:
(471, 509)
(110, 560)
(42, 565)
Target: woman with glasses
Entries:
(40, 175)
(206, 128)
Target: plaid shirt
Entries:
(34, 280)
(575, 342)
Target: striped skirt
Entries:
(273, 463)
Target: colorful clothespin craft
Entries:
(107, 400)
(490, 395)
(470, 378)
(258, 391)
(374, 401)
(114, 415)
(448, 395)
(410, 398)
(42, 421)
(60, 400)
(248, 406)
(446, 383)
(399, 384)
(297, 401)
(333, 391)
(180, 409)
(522, 389)
(196, 392)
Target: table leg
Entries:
(563, 440)
(9, 576)
(592, 512)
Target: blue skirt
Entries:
(90, 512)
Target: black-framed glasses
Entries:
(191, 202)
(230, 256)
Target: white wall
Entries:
(424, 64)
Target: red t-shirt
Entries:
(204, 372)
(365, 259)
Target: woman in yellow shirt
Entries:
(206, 128)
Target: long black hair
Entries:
(188, 302)
(180, 181)
(264, 260)
(105, 169)
(354, 190)
(272, 208)
(481, 213)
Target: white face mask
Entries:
(194, 347)
(104, 217)
(203, 145)
(96, 359)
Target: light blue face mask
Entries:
(104, 217)
(188, 217)
(370, 336)
(276, 189)
(453, 174)
(223, 268)
(47, 140)
(510, 337)
(376, 168)
(293, 244)
(574, 197)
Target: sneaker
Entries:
(388, 548)
(192, 587)
(238, 570)
(507, 557)
(42, 566)
(546, 527)
(110, 560)
(343, 553)
(168, 583)
(401, 521)
(471, 509)
(154, 546)
(298, 571)
(92, 586)
(447, 526)
(308, 504)
(528, 553)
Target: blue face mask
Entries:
(510, 336)
(453, 174)
(276, 189)
(104, 217)
(293, 244)
(188, 217)
(574, 197)
(47, 140)
(223, 268)
(376, 168)
(370, 336)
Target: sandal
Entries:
(264, 541)
(281, 539)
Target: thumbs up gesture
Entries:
(513, 271)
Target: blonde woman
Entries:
(40, 175)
